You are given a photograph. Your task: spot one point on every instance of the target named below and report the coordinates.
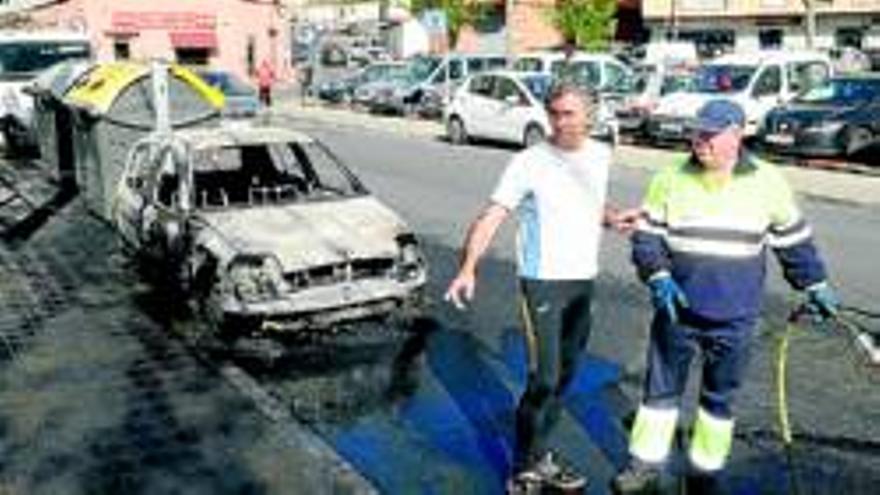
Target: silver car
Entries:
(266, 230)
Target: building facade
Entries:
(233, 35)
(745, 25)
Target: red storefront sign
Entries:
(125, 21)
(193, 39)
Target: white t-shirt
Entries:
(559, 197)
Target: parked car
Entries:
(241, 99)
(24, 54)
(342, 90)
(266, 230)
(839, 119)
(651, 82)
(426, 73)
(502, 106)
(757, 81)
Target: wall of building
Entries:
(529, 26)
(748, 30)
(337, 15)
(662, 9)
(151, 28)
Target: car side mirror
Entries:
(511, 100)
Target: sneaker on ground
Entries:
(637, 477)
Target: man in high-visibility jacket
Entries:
(700, 246)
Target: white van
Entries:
(23, 55)
(430, 77)
(757, 81)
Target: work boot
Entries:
(546, 475)
(637, 477)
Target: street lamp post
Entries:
(672, 34)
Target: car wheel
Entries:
(533, 135)
(455, 131)
(857, 139)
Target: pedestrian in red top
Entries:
(265, 78)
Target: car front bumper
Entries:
(324, 306)
(806, 143)
(669, 128)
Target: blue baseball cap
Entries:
(717, 115)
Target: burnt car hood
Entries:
(306, 234)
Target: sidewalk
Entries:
(836, 186)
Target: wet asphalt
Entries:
(100, 394)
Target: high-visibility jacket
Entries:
(713, 239)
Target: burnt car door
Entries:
(164, 225)
(133, 196)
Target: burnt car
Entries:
(838, 119)
(266, 231)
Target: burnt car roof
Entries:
(239, 135)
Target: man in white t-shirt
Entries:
(557, 189)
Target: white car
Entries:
(501, 106)
(265, 230)
(509, 106)
(757, 81)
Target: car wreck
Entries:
(266, 230)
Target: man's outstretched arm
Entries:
(479, 237)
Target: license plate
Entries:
(671, 127)
(783, 139)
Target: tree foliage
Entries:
(588, 24)
(459, 13)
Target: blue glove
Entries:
(666, 296)
(822, 302)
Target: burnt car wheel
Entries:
(857, 139)
(455, 131)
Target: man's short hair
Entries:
(564, 88)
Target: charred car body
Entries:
(266, 229)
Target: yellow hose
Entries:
(781, 385)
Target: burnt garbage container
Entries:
(53, 119)
(113, 108)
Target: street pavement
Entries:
(98, 395)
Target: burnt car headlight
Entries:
(410, 262)
(256, 278)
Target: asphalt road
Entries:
(98, 396)
(834, 406)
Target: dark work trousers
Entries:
(266, 95)
(725, 347)
(556, 316)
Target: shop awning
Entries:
(193, 39)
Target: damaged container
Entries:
(113, 108)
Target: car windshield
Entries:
(842, 91)
(538, 86)
(528, 64)
(587, 73)
(23, 59)
(727, 78)
(673, 83)
(422, 67)
(275, 173)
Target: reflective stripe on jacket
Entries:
(713, 239)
